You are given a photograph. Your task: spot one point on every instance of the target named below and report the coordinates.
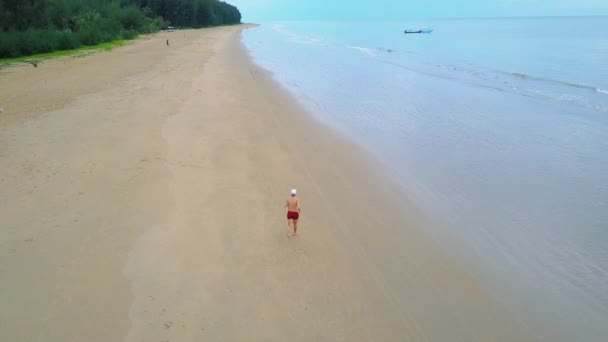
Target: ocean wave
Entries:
(553, 81)
(365, 50)
(517, 77)
(518, 83)
(600, 90)
(575, 99)
(385, 50)
(311, 40)
(520, 75)
(295, 37)
(509, 77)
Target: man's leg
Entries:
(295, 227)
(288, 226)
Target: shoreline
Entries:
(165, 220)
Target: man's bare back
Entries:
(293, 212)
(293, 204)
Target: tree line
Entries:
(37, 26)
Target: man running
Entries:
(293, 212)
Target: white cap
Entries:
(293, 192)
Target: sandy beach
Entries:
(142, 194)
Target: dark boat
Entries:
(418, 31)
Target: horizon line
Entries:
(457, 17)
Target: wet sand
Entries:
(142, 194)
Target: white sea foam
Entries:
(294, 37)
(365, 50)
(603, 91)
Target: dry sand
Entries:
(142, 196)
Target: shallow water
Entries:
(497, 127)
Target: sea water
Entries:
(498, 128)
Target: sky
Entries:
(267, 10)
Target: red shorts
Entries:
(293, 215)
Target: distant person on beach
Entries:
(167, 42)
(293, 212)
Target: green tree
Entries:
(34, 26)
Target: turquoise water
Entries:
(498, 128)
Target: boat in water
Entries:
(418, 31)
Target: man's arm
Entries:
(298, 204)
